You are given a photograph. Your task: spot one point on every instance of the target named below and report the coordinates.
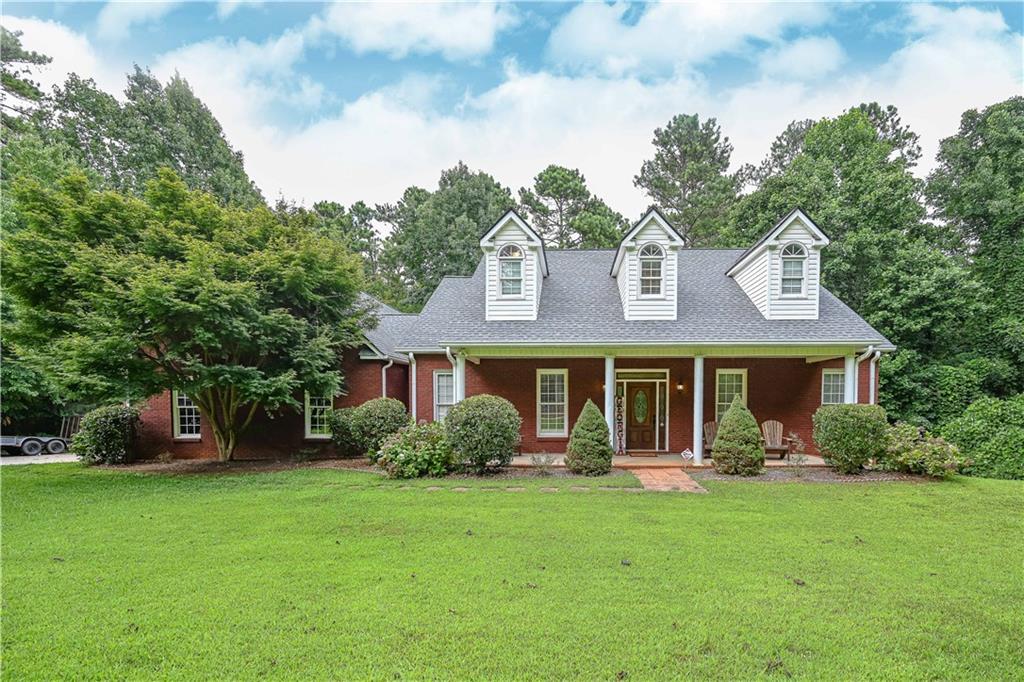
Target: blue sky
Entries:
(358, 101)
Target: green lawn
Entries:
(314, 573)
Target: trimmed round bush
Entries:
(912, 450)
(107, 435)
(988, 434)
(417, 450)
(589, 452)
(738, 448)
(483, 431)
(343, 435)
(849, 436)
(373, 421)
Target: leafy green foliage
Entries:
(107, 435)
(125, 296)
(21, 95)
(688, 177)
(738, 448)
(374, 421)
(484, 431)
(912, 450)
(990, 433)
(566, 215)
(343, 432)
(417, 450)
(849, 436)
(589, 451)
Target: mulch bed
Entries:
(809, 475)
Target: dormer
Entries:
(646, 269)
(781, 273)
(515, 269)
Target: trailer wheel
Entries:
(31, 446)
(56, 446)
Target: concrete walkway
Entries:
(666, 480)
(37, 459)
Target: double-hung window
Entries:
(318, 408)
(729, 383)
(833, 387)
(510, 270)
(444, 393)
(794, 260)
(552, 402)
(185, 417)
(652, 261)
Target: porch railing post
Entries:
(609, 396)
(460, 378)
(698, 409)
(850, 379)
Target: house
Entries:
(662, 337)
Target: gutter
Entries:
(412, 385)
(384, 379)
(872, 399)
(856, 371)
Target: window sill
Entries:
(316, 438)
(793, 297)
(552, 436)
(651, 297)
(187, 439)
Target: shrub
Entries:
(375, 420)
(912, 450)
(737, 448)
(417, 450)
(342, 433)
(483, 431)
(107, 435)
(589, 452)
(1002, 456)
(986, 433)
(849, 436)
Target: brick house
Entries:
(662, 337)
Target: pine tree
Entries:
(589, 452)
(737, 448)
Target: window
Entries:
(794, 256)
(729, 383)
(510, 270)
(444, 394)
(652, 259)
(552, 394)
(833, 387)
(317, 410)
(186, 417)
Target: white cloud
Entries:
(116, 19)
(668, 36)
(804, 58)
(455, 30)
(225, 8)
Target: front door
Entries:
(641, 417)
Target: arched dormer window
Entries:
(794, 270)
(652, 265)
(510, 270)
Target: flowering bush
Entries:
(913, 450)
(417, 450)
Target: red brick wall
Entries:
(268, 437)
(425, 366)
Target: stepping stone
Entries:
(515, 490)
(549, 490)
(434, 487)
(460, 490)
(579, 489)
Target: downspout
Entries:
(455, 372)
(856, 372)
(412, 386)
(384, 378)
(871, 381)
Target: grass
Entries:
(317, 574)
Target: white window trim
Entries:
(522, 273)
(564, 432)
(730, 370)
(437, 373)
(308, 416)
(176, 420)
(833, 372)
(640, 272)
(803, 270)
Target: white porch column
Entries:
(698, 409)
(412, 388)
(609, 396)
(460, 377)
(850, 377)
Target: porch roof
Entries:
(580, 305)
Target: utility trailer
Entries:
(35, 445)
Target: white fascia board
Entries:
(533, 237)
(655, 215)
(820, 238)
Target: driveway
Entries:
(37, 459)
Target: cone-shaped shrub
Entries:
(588, 452)
(737, 448)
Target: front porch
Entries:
(665, 461)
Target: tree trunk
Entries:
(220, 408)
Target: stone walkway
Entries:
(665, 480)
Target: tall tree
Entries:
(688, 177)
(19, 94)
(434, 234)
(785, 147)
(565, 213)
(130, 296)
(157, 127)
(890, 127)
(353, 227)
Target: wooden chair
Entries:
(774, 442)
(710, 432)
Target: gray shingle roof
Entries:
(580, 304)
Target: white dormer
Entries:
(515, 269)
(781, 272)
(646, 269)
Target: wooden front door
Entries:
(641, 419)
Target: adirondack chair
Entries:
(710, 432)
(774, 441)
